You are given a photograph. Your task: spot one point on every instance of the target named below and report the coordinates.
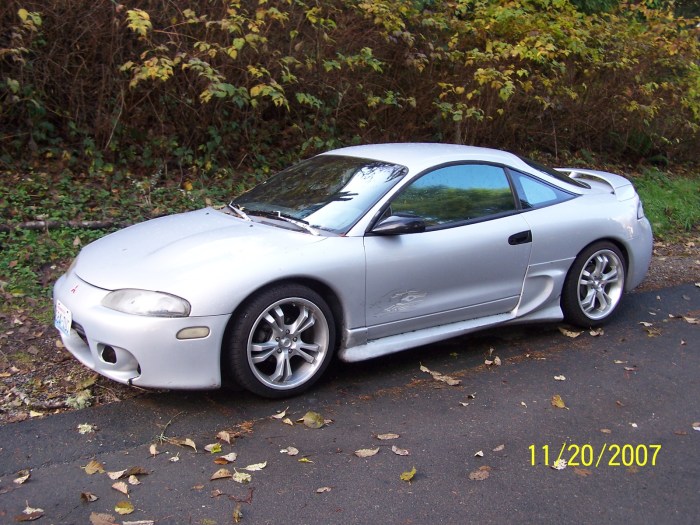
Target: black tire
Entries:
(594, 285)
(281, 341)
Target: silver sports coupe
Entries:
(358, 252)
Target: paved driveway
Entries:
(479, 448)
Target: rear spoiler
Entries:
(620, 186)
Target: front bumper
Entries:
(139, 350)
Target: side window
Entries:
(534, 193)
(456, 194)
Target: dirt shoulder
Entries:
(39, 377)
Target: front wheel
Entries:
(594, 286)
(281, 341)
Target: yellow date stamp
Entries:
(588, 455)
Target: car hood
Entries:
(169, 253)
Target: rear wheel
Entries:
(594, 286)
(281, 342)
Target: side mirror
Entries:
(399, 224)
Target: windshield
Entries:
(328, 192)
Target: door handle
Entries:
(520, 238)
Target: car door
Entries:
(469, 262)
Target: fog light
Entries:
(194, 332)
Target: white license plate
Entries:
(63, 319)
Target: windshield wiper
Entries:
(299, 223)
(238, 211)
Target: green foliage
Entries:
(193, 86)
(671, 203)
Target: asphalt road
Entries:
(627, 434)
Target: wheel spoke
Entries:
(588, 302)
(601, 261)
(306, 357)
(283, 370)
(263, 351)
(303, 322)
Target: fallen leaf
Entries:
(631, 368)
(499, 448)
(123, 508)
(633, 425)
(408, 476)
(187, 442)
(224, 436)
(241, 477)
(22, 476)
(479, 454)
(237, 514)
(618, 362)
(583, 472)
(93, 467)
(116, 475)
(256, 467)
(388, 436)
(312, 420)
(288, 421)
(471, 396)
(559, 378)
(606, 431)
(691, 320)
(596, 332)
(139, 522)
(464, 404)
(480, 474)
(569, 333)
(221, 474)
(153, 450)
(101, 519)
(86, 428)
(304, 460)
(133, 480)
(366, 452)
(321, 490)
(558, 402)
(290, 451)
(559, 464)
(228, 458)
(213, 448)
(523, 404)
(88, 497)
(440, 377)
(400, 451)
(280, 415)
(646, 324)
(696, 426)
(122, 487)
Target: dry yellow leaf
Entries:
(408, 476)
(221, 474)
(122, 487)
(93, 467)
(366, 452)
(558, 402)
(124, 507)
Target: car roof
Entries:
(419, 156)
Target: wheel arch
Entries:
(618, 244)
(321, 288)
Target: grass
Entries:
(31, 260)
(671, 203)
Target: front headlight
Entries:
(144, 302)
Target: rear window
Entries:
(554, 173)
